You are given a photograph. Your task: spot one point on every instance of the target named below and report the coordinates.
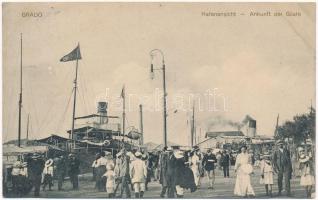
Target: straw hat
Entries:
(179, 154)
(169, 149)
(300, 149)
(138, 154)
(48, 163)
(303, 158)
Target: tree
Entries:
(299, 129)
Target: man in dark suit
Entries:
(282, 166)
(225, 162)
(36, 165)
(73, 170)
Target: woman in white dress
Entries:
(195, 163)
(243, 168)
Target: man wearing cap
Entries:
(73, 170)
(282, 166)
(35, 171)
(60, 168)
(166, 172)
(138, 175)
(122, 171)
(225, 162)
(209, 161)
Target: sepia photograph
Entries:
(158, 100)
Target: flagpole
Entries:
(74, 103)
(20, 100)
(124, 115)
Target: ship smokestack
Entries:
(251, 128)
(102, 111)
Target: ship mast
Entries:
(74, 103)
(20, 99)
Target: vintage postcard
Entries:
(158, 100)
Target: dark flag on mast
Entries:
(74, 55)
(122, 95)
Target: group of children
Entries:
(306, 170)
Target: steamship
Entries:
(95, 133)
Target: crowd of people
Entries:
(35, 171)
(176, 170)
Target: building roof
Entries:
(214, 134)
(53, 138)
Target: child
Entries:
(110, 182)
(48, 174)
(307, 172)
(267, 174)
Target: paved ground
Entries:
(224, 188)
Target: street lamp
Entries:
(152, 54)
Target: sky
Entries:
(231, 67)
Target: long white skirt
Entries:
(307, 180)
(196, 174)
(243, 185)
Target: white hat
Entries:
(107, 153)
(17, 164)
(169, 149)
(303, 158)
(49, 162)
(138, 154)
(300, 149)
(179, 154)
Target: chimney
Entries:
(102, 111)
(251, 128)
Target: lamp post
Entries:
(152, 54)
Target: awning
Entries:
(15, 150)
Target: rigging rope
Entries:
(64, 114)
(50, 107)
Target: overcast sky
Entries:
(260, 66)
